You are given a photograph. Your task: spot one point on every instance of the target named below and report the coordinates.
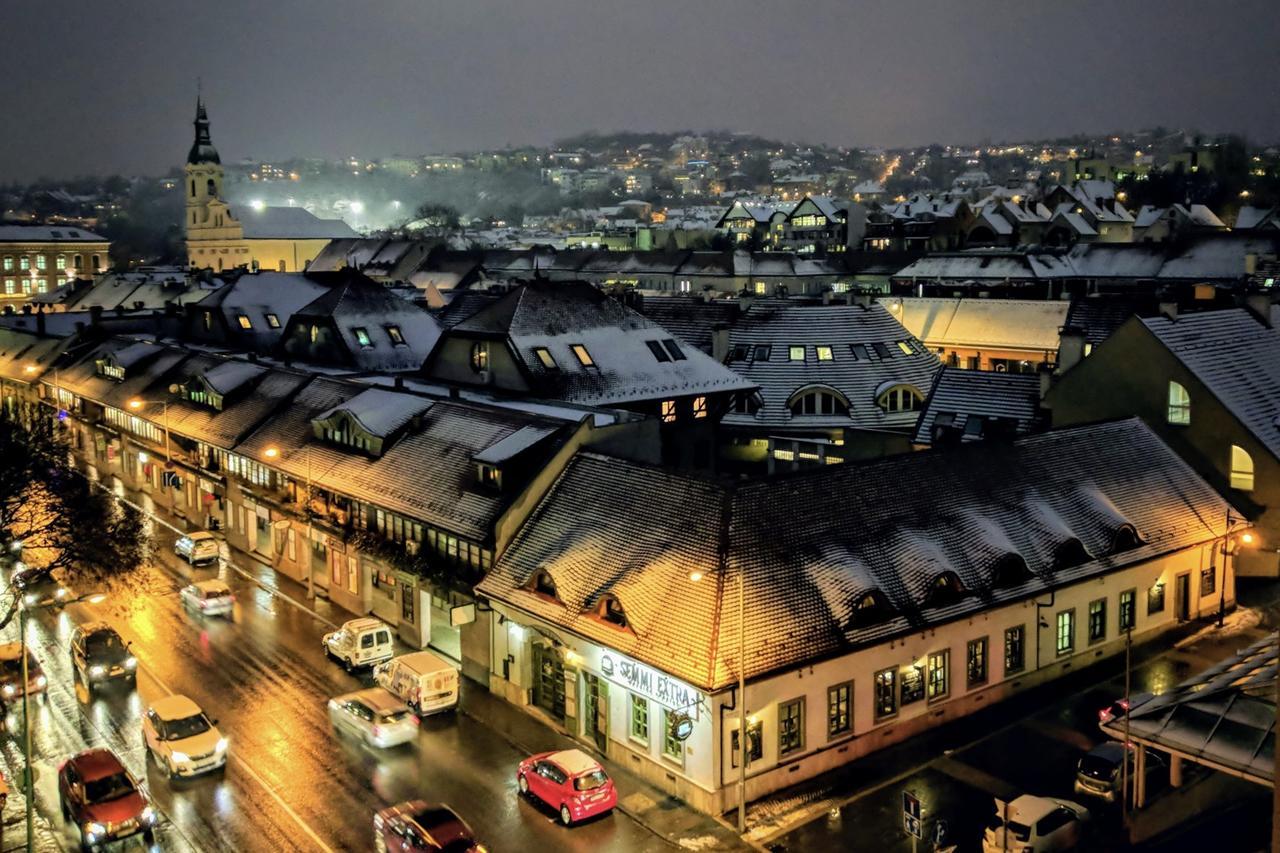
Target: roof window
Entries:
(761, 352)
(610, 610)
(859, 351)
(543, 584)
(905, 347)
(397, 337)
(244, 321)
(659, 353)
(273, 321)
(362, 337)
(584, 357)
(824, 353)
(544, 356)
(674, 350)
(795, 353)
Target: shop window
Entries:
(976, 662)
(1065, 638)
(839, 709)
(640, 719)
(755, 743)
(1015, 645)
(912, 680)
(790, 726)
(939, 674)
(886, 690)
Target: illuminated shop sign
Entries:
(646, 681)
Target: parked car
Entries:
(181, 738)
(99, 655)
(570, 781)
(418, 826)
(1032, 824)
(424, 681)
(1098, 772)
(1115, 711)
(197, 548)
(360, 642)
(211, 597)
(103, 799)
(375, 716)
(39, 588)
(11, 672)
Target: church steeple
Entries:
(202, 150)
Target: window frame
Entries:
(396, 335)
(545, 358)
(273, 321)
(361, 334)
(879, 693)
(938, 689)
(244, 322)
(834, 705)
(1178, 411)
(635, 704)
(1132, 621)
(1069, 615)
(1020, 633)
(1097, 626)
(793, 735)
(982, 647)
(1241, 469)
(824, 352)
(791, 352)
(583, 355)
(672, 749)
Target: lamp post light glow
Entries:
(1245, 538)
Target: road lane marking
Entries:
(253, 774)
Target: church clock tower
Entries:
(211, 229)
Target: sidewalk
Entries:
(661, 814)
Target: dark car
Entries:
(1098, 772)
(421, 827)
(38, 588)
(11, 672)
(99, 655)
(103, 799)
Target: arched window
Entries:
(870, 609)
(1009, 570)
(544, 585)
(818, 402)
(900, 398)
(1125, 539)
(944, 589)
(1241, 469)
(213, 188)
(610, 610)
(1179, 405)
(1070, 552)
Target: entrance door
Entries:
(595, 717)
(548, 685)
(1182, 597)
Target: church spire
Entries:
(202, 150)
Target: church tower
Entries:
(209, 223)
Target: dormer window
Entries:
(397, 337)
(273, 321)
(480, 356)
(545, 359)
(824, 353)
(542, 584)
(488, 475)
(795, 353)
(110, 370)
(945, 589)
(761, 352)
(244, 321)
(362, 337)
(584, 357)
(610, 610)
(901, 398)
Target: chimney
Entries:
(1168, 305)
(720, 342)
(826, 296)
(95, 315)
(862, 298)
(1070, 347)
(39, 322)
(398, 382)
(745, 298)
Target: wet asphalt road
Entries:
(292, 783)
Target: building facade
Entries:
(36, 259)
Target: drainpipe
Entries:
(1052, 597)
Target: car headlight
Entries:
(148, 815)
(8, 690)
(60, 593)
(41, 681)
(95, 829)
(131, 662)
(179, 757)
(223, 743)
(97, 670)
(29, 598)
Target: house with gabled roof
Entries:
(1209, 384)
(866, 613)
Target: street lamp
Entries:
(696, 575)
(1246, 538)
(27, 780)
(274, 453)
(137, 403)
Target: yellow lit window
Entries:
(668, 411)
(1241, 469)
(699, 407)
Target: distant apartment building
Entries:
(39, 259)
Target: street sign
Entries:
(911, 824)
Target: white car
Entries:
(375, 716)
(211, 597)
(360, 642)
(199, 546)
(181, 738)
(1031, 824)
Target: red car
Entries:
(418, 827)
(569, 781)
(103, 798)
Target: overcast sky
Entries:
(100, 87)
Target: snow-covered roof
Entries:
(378, 411)
(1025, 324)
(48, 234)
(288, 223)
(226, 377)
(973, 404)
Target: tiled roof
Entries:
(289, 223)
(48, 234)
(1099, 316)
(855, 375)
(1237, 358)
(690, 319)
(560, 315)
(981, 323)
(812, 545)
(968, 401)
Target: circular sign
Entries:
(681, 726)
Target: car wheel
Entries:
(565, 817)
(347, 664)
(523, 784)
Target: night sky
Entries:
(94, 87)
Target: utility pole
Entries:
(1124, 761)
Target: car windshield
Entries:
(109, 788)
(104, 644)
(186, 727)
(1019, 831)
(216, 593)
(1098, 766)
(590, 781)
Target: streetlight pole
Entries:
(742, 701)
(1245, 538)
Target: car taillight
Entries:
(414, 720)
(377, 731)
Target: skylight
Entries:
(244, 321)
(676, 353)
(362, 337)
(273, 321)
(544, 356)
(583, 356)
(659, 353)
(396, 336)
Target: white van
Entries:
(423, 681)
(360, 642)
(197, 547)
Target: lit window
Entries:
(900, 399)
(760, 288)
(790, 726)
(1014, 646)
(62, 262)
(886, 693)
(480, 356)
(905, 347)
(583, 356)
(273, 321)
(544, 356)
(939, 675)
(24, 263)
(244, 321)
(362, 337)
(824, 353)
(10, 287)
(397, 338)
(42, 262)
(1097, 620)
(1128, 599)
(699, 407)
(8, 262)
(668, 411)
(1241, 469)
(976, 662)
(315, 332)
(839, 709)
(1179, 405)
(1066, 636)
(795, 353)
